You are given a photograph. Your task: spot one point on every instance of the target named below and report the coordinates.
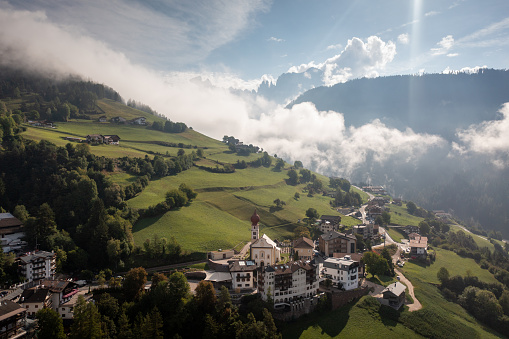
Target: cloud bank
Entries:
(358, 59)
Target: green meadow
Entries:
(400, 216)
(438, 318)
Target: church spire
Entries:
(255, 232)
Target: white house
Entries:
(38, 265)
(343, 272)
(264, 251)
(288, 282)
(242, 274)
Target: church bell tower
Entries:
(255, 231)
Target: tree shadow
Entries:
(146, 222)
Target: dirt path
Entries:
(416, 305)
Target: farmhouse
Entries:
(103, 119)
(139, 121)
(111, 139)
(394, 295)
(95, 138)
(418, 246)
(118, 120)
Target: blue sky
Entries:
(247, 39)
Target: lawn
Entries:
(395, 234)
(438, 318)
(400, 216)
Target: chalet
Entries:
(112, 139)
(37, 265)
(335, 242)
(397, 201)
(103, 119)
(327, 226)
(12, 320)
(139, 121)
(394, 295)
(242, 275)
(95, 138)
(303, 247)
(118, 120)
(343, 272)
(418, 247)
(288, 282)
(12, 233)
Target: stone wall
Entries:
(341, 298)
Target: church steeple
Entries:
(255, 232)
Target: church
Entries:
(264, 250)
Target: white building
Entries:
(264, 251)
(38, 265)
(288, 282)
(343, 272)
(242, 274)
(11, 231)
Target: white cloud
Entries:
(403, 39)
(489, 137)
(444, 45)
(358, 59)
(275, 39)
(493, 35)
(452, 55)
(431, 13)
(323, 142)
(337, 46)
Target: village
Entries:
(330, 267)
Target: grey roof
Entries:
(36, 255)
(242, 266)
(333, 235)
(397, 288)
(9, 309)
(35, 295)
(340, 263)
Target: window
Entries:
(36, 306)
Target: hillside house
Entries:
(35, 299)
(12, 320)
(103, 119)
(303, 247)
(37, 265)
(343, 272)
(95, 138)
(373, 211)
(335, 242)
(11, 232)
(118, 120)
(394, 295)
(335, 220)
(418, 247)
(288, 282)
(111, 139)
(139, 121)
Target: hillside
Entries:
(219, 217)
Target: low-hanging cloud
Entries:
(488, 138)
(320, 139)
(358, 59)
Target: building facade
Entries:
(303, 248)
(243, 273)
(343, 272)
(37, 265)
(335, 242)
(12, 232)
(289, 282)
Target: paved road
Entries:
(416, 305)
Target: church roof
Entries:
(264, 241)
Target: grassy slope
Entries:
(400, 216)
(224, 200)
(438, 318)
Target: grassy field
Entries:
(400, 216)
(478, 240)
(438, 318)
(395, 234)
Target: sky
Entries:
(148, 50)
